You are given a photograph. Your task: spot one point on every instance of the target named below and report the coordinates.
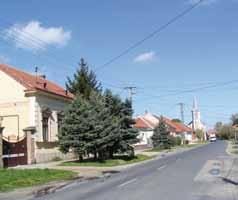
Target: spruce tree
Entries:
(84, 81)
(105, 129)
(121, 115)
(129, 134)
(88, 128)
(160, 137)
(76, 127)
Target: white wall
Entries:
(145, 137)
(56, 106)
(14, 103)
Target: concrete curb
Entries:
(106, 172)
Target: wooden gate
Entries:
(14, 153)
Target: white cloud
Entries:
(205, 2)
(34, 36)
(4, 59)
(145, 57)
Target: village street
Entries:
(206, 172)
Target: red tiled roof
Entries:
(143, 123)
(178, 127)
(33, 83)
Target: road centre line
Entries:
(162, 167)
(127, 182)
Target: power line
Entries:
(157, 31)
(215, 85)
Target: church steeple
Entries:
(196, 115)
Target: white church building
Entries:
(196, 122)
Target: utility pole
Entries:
(131, 92)
(182, 111)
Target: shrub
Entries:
(175, 141)
(178, 141)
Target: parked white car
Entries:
(212, 138)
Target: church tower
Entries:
(196, 116)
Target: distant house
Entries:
(148, 122)
(28, 100)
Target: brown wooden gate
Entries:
(14, 153)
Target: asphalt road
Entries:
(184, 176)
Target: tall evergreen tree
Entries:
(87, 127)
(105, 127)
(84, 81)
(129, 134)
(121, 114)
(160, 137)
(76, 127)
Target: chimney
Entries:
(45, 84)
(42, 76)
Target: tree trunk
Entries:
(95, 156)
(80, 157)
(111, 153)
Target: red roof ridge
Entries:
(32, 82)
(149, 123)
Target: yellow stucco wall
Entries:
(55, 106)
(13, 104)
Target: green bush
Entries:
(175, 141)
(178, 141)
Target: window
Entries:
(46, 113)
(59, 120)
(45, 129)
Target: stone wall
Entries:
(47, 155)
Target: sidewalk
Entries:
(85, 173)
(89, 172)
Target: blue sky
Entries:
(194, 52)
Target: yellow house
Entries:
(28, 100)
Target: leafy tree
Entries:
(160, 137)
(218, 126)
(234, 119)
(226, 132)
(177, 120)
(84, 81)
(200, 134)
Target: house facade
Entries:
(28, 100)
(147, 123)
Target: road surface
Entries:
(191, 175)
